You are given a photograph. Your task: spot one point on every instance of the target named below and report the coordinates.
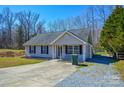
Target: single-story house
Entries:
(60, 45)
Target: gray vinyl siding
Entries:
(68, 40)
(88, 51)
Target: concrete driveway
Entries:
(42, 74)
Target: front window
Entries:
(76, 50)
(73, 50)
(32, 49)
(69, 50)
(44, 49)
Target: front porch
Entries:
(65, 51)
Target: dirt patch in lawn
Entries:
(16, 61)
(10, 57)
(11, 53)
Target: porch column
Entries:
(55, 51)
(84, 52)
(53, 54)
(63, 51)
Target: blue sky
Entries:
(50, 12)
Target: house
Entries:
(60, 45)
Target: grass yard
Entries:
(102, 53)
(120, 67)
(10, 57)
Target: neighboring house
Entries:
(60, 45)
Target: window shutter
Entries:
(66, 49)
(41, 49)
(34, 49)
(80, 49)
(29, 49)
(47, 49)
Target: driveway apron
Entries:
(42, 74)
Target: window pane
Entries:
(44, 49)
(69, 49)
(32, 49)
(76, 50)
(73, 49)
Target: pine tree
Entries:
(20, 37)
(112, 35)
(90, 38)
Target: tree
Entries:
(92, 23)
(40, 27)
(112, 35)
(28, 20)
(8, 22)
(20, 37)
(103, 11)
(90, 38)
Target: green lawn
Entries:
(119, 66)
(102, 53)
(16, 60)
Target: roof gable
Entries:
(70, 37)
(49, 37)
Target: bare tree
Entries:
(61, 25)
(57, 25)
(8, 21)
(40, 27)
(79, 22)
(92, 23)
(1, 26)
(101, 11)
(28, 20)
(104, 11)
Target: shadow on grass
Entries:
(39, 58)
(101, 59)
(114, 61)
(84, 65)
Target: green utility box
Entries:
(74, 58)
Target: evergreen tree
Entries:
(90, 38)
(112, 35)
(20, 37)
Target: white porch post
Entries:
(55, 52)
(62, 51)
(53, 56)
(84, 52)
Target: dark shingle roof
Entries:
(47, 38)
